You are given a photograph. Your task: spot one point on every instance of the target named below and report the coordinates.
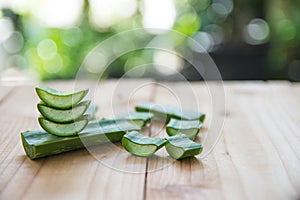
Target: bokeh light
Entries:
(167, 63)
(96, 62)
(104, 14)
(47, 49)
(6, 28)
(204, 42)
(14, 43)
(257, 31)
(57, 13)
(158, 16)
(54, 64)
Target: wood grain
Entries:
(257, 156)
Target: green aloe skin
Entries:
(180, 146)
(140, 145)
(63, 116)
(58, 99)
(65, 129)
(188, 127)
(39, 143)
(166, 112)
(140, 118)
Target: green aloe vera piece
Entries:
(180, 146)
(140, 118)
(140, 145)
(39, 143)
(59, 99)
(167, 112)
(188, 127)
(63, 116)
(67, 129)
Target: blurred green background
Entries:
(248, 39)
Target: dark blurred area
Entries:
(247, 39)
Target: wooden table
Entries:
(257, 156)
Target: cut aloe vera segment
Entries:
(39, 143)
(180, 146)
(111, 125)
(139, 118)
(167, 112)
(67, 129)
(63, 116)
(59, 99)
(188, 127)
(140, 145)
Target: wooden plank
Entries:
(253, 159)
(256, 147)
(257, 156)
(119, 174)
(190, 178)
(73, 175)
(17, 115)
(4, 90)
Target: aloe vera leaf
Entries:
(67, 129)
(188, 127)
(91, 111)
(140, 145)
(140, 118)
(63, 116)
(180, 146)
(39, 143)
(59, 99)
(167, 112)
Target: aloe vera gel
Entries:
(188, 127)
(140, 145)
(62, 112)
(180, 146)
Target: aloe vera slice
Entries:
(59, 99)
(188, 127)
(67, 129)
(140, 145)
(167, 112)
(63, 116)
(139, 118)
(39, 143)
(180, 146)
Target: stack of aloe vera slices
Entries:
(62, 112)
(66, 124)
